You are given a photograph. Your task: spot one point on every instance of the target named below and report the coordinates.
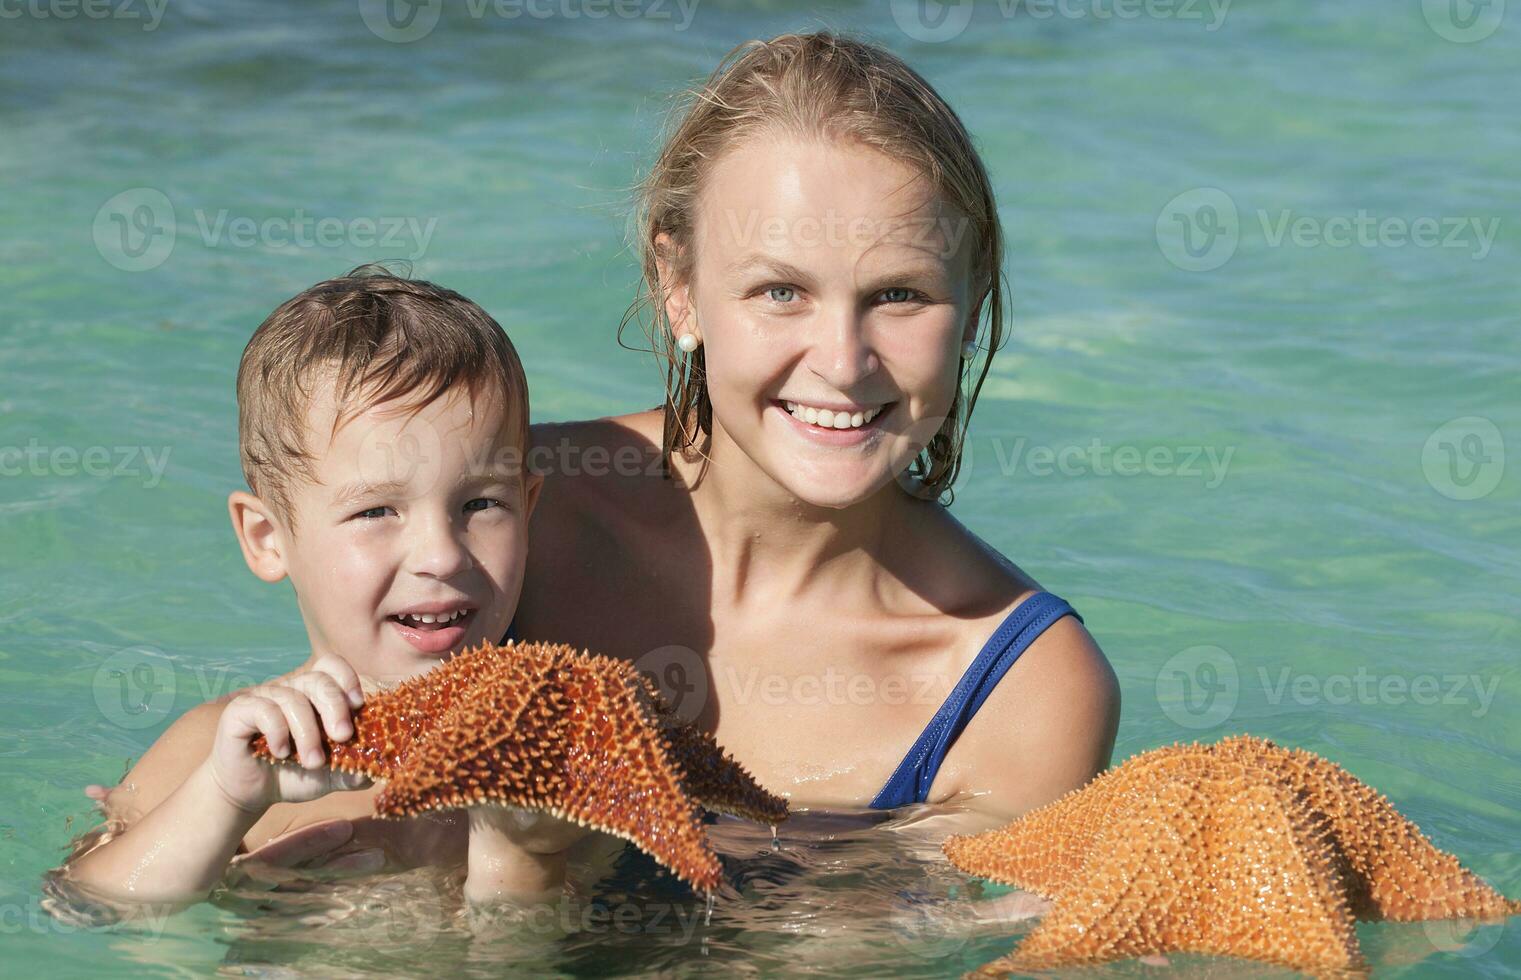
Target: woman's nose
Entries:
(438, 549)
(842, 353)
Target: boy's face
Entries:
(410, 543)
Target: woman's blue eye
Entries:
(897, 294)
(481, 503)
(781, 294)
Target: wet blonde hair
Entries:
(378, 337)
(828, 87)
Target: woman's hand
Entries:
(292, 715)
(310, 849)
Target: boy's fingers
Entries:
(339, 670)
(302, 719)
(330, 700)
(266, 719)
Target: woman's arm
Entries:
(1047, 728)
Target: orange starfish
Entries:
(540, 726)
(1240, 848)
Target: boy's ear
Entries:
(531, 493)
(259, 535)
(678, 300)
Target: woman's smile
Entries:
(840, 425)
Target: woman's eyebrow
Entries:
(752, 264)
(923, 275)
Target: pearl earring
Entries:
(969, 350)
(688, 342)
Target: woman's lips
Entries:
(434, 638)
(819, 435)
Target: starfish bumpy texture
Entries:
(583, 737)
(1240, 848)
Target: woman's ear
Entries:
(973, 318)
(259, 535)
(675, 293)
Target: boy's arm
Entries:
(517, 855)
(199, 790)
(181, 829)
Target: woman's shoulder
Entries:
(966, 575)
(1049, 724)
(588, 464)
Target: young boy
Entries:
(382, 424)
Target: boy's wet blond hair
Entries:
(828, 87)
(377, 337)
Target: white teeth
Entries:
(829, 419)
(447, 617)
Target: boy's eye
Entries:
(481, 503)
(373, 513)
(781, 294)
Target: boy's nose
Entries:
(438, 550)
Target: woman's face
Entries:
(831, 291)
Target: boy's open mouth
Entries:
(433, 632)
(428, 622)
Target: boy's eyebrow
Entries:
(352, 493)
(508, 478)
(360, 489)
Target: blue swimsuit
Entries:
(911, 781)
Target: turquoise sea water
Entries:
(1253, 419)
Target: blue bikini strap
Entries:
(910, 783)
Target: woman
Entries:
(821, 255)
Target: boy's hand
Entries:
(292, 714)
